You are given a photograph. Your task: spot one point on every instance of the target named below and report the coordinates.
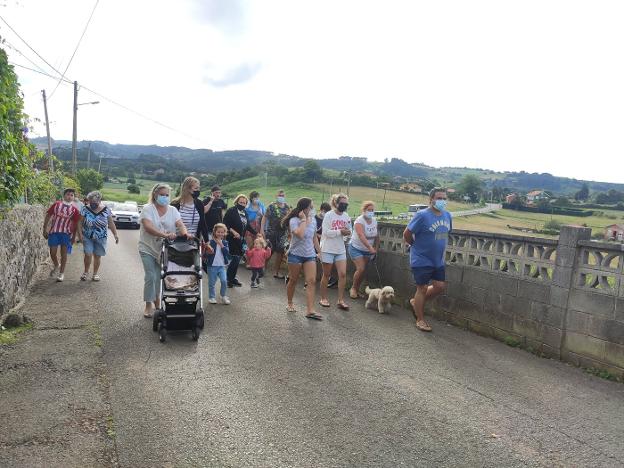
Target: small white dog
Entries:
(380, 296)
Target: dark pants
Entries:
(256, 274)
(232, 268)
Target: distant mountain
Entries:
(209, 161)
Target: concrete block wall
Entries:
(553, 313)
(22, 251)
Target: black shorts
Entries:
(278, 241)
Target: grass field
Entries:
(397, 202)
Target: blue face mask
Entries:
(440, 205)
(162, 200)
(281, 199)
(370, 214)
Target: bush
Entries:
(134, 188)
(89, 180)
(131, 180)
(552, 225)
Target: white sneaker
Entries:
(95, 278)
(226, 300)
(212, 300)
(60, 277)
(54, 272)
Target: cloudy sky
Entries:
(500, 84)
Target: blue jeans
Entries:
(151, 287)
(215, 272)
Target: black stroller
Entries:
(181, 296)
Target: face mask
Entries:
(162, 200)
(195, 194)
(440, 205)
(312, 212)
(240, 206)
(94, 205)
(370, 214)
(66, 203)
(281, 199)
(321, 214)
(255, 201)
(342, 207)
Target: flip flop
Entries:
(314, 316)
(353, 295)
(291, 308)
(342, 306)
(423, 326)
(150, 315)
(324, 303)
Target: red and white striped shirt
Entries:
(63, 217)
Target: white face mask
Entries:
(66, 203)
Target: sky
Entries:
(504, 85)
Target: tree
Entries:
(89, 180)
(312, 171)
(134, 188)
(582, 194)
(131, 180)
(471, 186)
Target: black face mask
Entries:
(342, 207)
(241, 207)
(195, 194)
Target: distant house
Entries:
(615, 232)
(410, 187)
(537, 195)
(512, 197)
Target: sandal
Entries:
(423, 326)
(314, 316)
(291, 308)
(148, 315)
(342, 306)
(353, 294)
(324, 303)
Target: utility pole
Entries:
(89, 157)
(100, 165)
(75, 132)
(45, 109)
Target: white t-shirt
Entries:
(218, 258)
(370, 232)
(332, 240)
(151, 244)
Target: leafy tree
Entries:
(471, 186)
(582, 194)
(131, 180)
(134, 188)
(312, 171)
(89, 180)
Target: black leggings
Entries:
(256, 273)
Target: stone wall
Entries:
(561, 298)
(22, 251)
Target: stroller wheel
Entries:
(200, 319)
(162, 334)
(156, 320)
(195, 334)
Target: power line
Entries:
(12, 47)
(75, 49)
(28, 45)
(65, 80)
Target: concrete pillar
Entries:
(564, 274)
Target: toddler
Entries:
(216, 262)
(256, 259)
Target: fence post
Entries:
(563, 274)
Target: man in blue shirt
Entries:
(427, 234)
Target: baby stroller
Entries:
(181, 296)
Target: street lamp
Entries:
(75, 130)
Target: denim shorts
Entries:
(94, 246)
(60, 238)
(424, 275)
(333, 258)
(355, 252)
(292, 258)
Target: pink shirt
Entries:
(256, 258)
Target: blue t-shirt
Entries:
(303, 247)
(253, 214)
(430, 234)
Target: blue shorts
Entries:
(292, 258)
(94, 246)
(60, 238)
(424, 275)
(354, 252)
(333, 258)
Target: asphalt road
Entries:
(263, 387)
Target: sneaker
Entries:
(332, 282)
(83, 277)
(254, 284)
(237, 283)
(54, 272)
(95, 278)
(60, 277)
(212, 300)
(226, 300)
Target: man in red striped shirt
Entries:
(60, 227)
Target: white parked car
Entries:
(126, 214)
